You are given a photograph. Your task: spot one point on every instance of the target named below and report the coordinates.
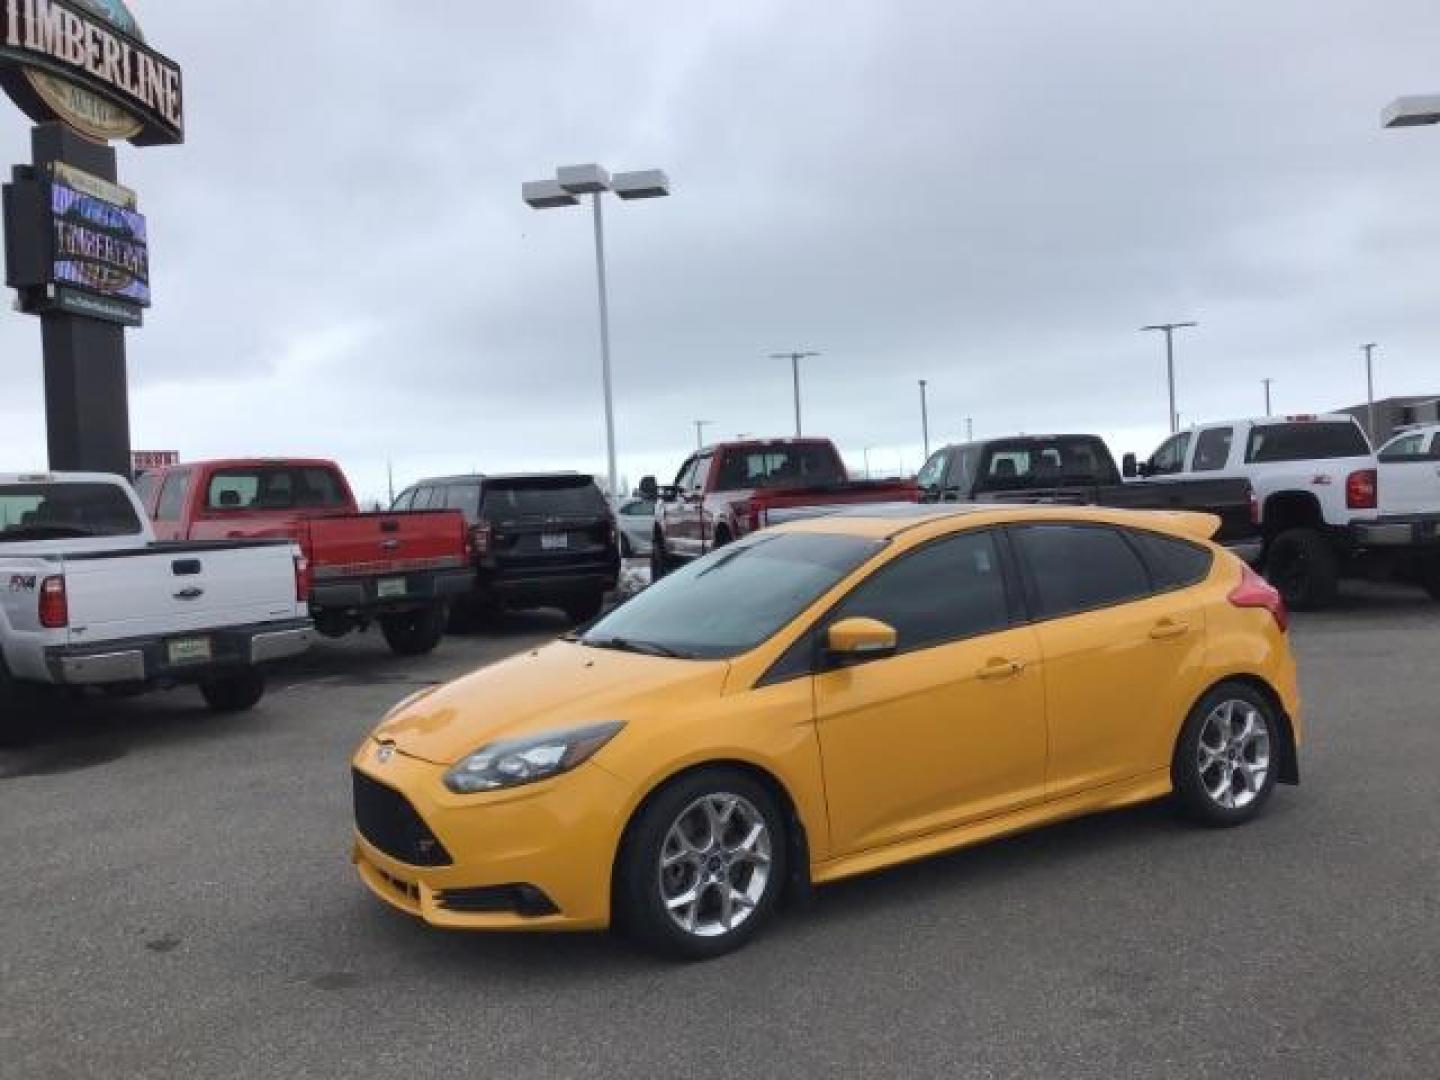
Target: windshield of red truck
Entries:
(814, 465)
(275, 487)
(57, 511)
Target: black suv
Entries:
(537, 540)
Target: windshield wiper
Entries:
(645, 648)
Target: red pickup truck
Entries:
(730, 489)
(398, 569)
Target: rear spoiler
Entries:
(1191, 523)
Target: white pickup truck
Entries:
(1327, 507)
(89, 599)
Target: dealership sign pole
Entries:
(76, 245)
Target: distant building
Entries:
(1392, 414)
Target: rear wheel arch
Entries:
(1285, 510)
(797, 886)
(1289, 766)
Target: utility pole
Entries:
(925, 419)
(390, 477)
(1267, 383)
(1169, 330)
(1370, 388)
(700, 426)
(867, 463)
(795, 358)
(969, 429)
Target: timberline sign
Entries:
(84, 62)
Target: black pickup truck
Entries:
(1078, 469)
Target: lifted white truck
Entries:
(89, 599)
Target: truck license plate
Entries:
(390, 588)
(554, 541)
(193, 650)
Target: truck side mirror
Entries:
(1129, 467)
(649, 489)
(669, 493)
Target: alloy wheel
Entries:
(1233, 755)
(714, 865)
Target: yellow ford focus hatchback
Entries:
(825, 699)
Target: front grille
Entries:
(386, 819)
(524, 900)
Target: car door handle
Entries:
(1166, 629)
(192, 593)
(1000, 669)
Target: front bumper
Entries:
(148, 660)
(536, 584)
(1421, 530)
(557, 838)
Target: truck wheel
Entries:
(660, 563)
(1304, 567)
(18, 711)
(234, 693)
(582, 609)
(415, 633)
(1430, 575)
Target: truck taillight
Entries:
(54, 604)
(302, 578)
(1362, 490)
(1254, 509)
(747, 514)
(481, 537)
(1255, 592)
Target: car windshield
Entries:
(733, 599)
(57, 511)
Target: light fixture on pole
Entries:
(1169, 331)
(1415, 111)
(572, 181)
(1369, 350)
(795, 358)
(925, 419)
(1267, 383)
(700, 426)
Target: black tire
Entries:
(19, 710)
(234, 693)
(415, 633)
(660, 563)
(1430, 575)
(1202, 789)
(582, 609)
(722, 538)
(639, 893)
(1303, 565)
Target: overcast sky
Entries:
(990, 196)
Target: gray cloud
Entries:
(992, 197)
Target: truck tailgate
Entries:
(178, 587)
(369, 545)
(774, 507)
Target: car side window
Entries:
(1173, 563)
(1212, 449)
(946, 591)
(682, 478)
(1405, 448)
(638, 508)
(932, 475)
(700, 473)
(405, 500)
(172, 497)
(1075, 568)
(1170, 458)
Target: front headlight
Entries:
(512, 762)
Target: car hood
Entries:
(557, 686)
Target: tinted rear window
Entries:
(1042, 462)
(275, 487)
(1305, 441)
(803, 465)
(56, 511)
(1174, 563)
(543, 497)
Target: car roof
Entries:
(1272, 421)
(477, 478)
(884, 521)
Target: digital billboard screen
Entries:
(99, 246)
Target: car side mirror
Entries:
(669, 493)
(649, 489)
(1129, 467)
(854, 641)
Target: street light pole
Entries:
(925, 419)
(795, 358)
(1369, 388)
(700, 426)
(969, 429)
(571, 182)
(867, 463)
(1169, 330)
(1267, 383)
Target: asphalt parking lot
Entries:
(178, 902)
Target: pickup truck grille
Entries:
(386, 819)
